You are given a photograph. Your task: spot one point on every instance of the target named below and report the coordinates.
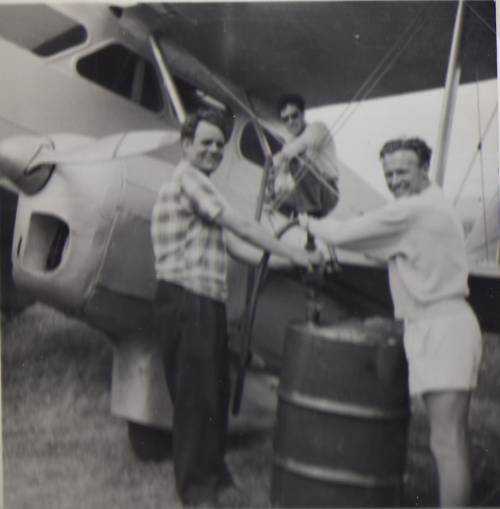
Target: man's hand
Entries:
(279, 159)
(307, 259)
(303, 220)
(283, 183)
(316, 258)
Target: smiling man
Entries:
(189, 245)
(420, 237)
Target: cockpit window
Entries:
(250, 146)
(40, 29)
(123, 72)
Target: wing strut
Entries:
(255, 277)
(481, 164)
(450, 93)
(168, 81)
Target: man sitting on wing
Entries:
(307, 173)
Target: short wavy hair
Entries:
(417, 145)
(211, 116)
(296, 99)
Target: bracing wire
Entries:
(481, 164)
(383, 66)
(476, 153)
(485, 23)
(298, 178)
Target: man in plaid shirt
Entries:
(187, 230)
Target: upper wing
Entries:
(328, 50)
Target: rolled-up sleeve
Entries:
(204, 197)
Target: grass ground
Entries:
(63, 449)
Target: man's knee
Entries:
(447, 441)
(448, 415)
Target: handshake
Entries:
(309, 257)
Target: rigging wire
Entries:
(385, 64)
(481, 164)
(380, 76)
(485, 23)
(476, 153)
(298, 178)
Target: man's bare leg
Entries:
(448, 414)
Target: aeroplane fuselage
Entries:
(81, 242)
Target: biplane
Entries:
(94, 95)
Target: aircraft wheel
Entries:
(149, 443)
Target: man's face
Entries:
(403, 173)
(206, 149)
(293, 119)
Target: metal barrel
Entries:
(343, 411)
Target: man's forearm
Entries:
(257, 235)
(247, 253)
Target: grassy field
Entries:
(63, 449)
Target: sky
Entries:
(417, 114)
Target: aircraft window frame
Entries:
(274, 143)
(143, 75)
(69, 33)
(193, 97)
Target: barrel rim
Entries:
(345, 333)
(335, 475)
(332, 406)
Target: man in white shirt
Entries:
(420, 237)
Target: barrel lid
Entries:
(376, 331)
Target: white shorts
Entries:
(443, 352)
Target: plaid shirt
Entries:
(189, 247)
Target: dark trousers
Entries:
(192, 333)
(310, 195)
